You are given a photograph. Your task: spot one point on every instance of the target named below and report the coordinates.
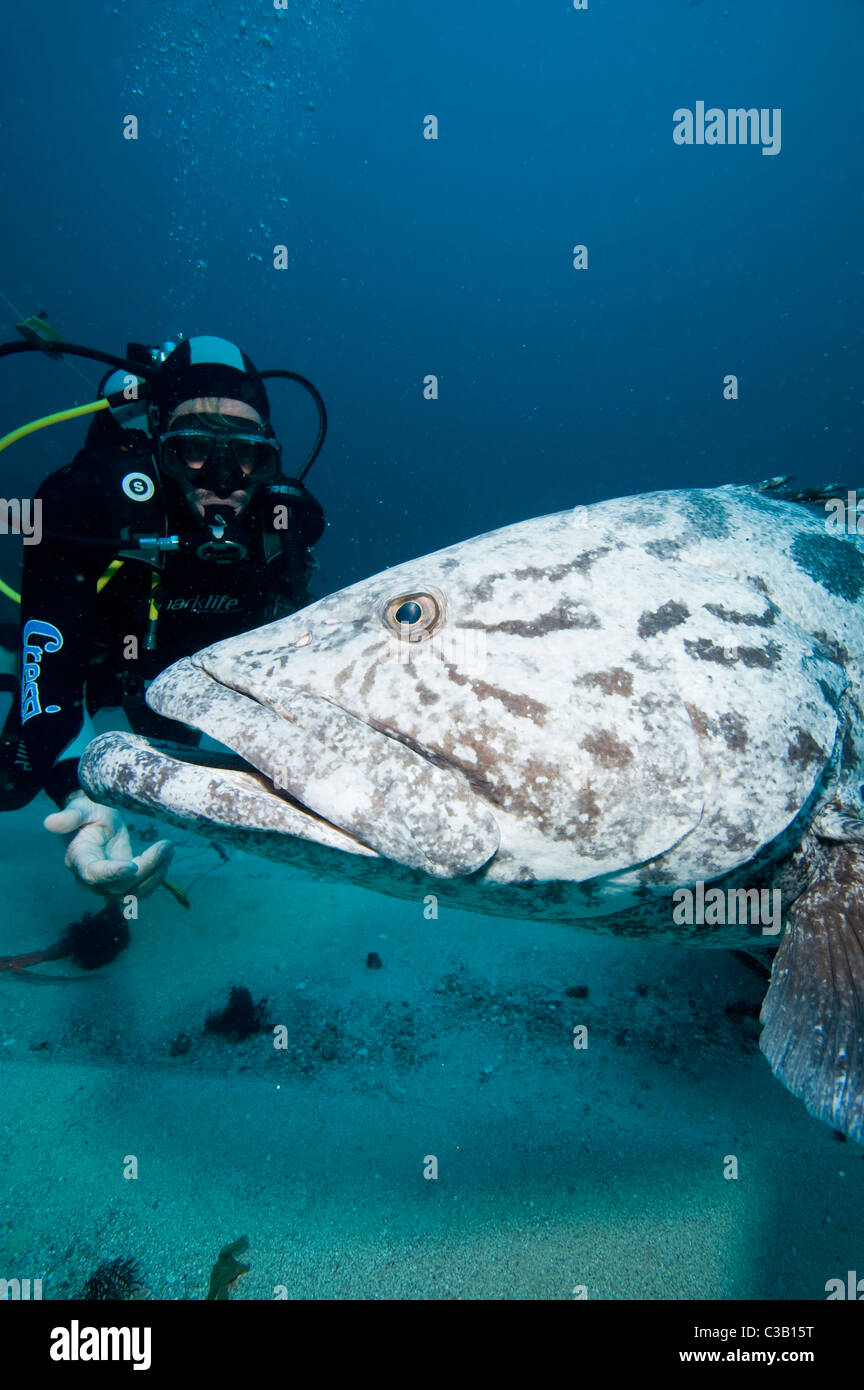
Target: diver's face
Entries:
(201, 497)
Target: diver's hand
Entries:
(100, 851)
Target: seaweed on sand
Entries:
(117, 1281)
(227, 1270)
(240, 1018)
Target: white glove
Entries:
(100, 851)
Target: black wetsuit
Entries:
(85, 621)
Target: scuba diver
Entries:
(172, 528)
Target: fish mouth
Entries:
(304, 768)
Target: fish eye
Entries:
(414, 616)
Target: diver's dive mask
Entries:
(220, 453)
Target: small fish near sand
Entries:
(641, 717)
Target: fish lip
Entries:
(390, 798)
(235, 762)
(124, 769)
(213, 761)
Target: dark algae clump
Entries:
(117, 1281)
(93, 941)
(98, 938)
(240, 1018)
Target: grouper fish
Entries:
(642, 717)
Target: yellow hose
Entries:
(71, 414)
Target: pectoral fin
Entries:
(814, 1009)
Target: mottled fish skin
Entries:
(668, 693)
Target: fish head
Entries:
(501, 708)
(446, 714)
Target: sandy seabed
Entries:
(557, 1167)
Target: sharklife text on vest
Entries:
(204, 603)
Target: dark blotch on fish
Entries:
(727, 615)
(805, 749)
(705, 650)
(580, 564)
(835, 564)
(668, 549)
(835, 650)
(731, 726)
(707, 514)
(607, 749)
(614, 682)
(734, 731)
(560, 619)
(669, 615)
(521, 705)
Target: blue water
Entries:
(407, 257)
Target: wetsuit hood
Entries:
(208, 366)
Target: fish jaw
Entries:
(336, 772)
(126, 770)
